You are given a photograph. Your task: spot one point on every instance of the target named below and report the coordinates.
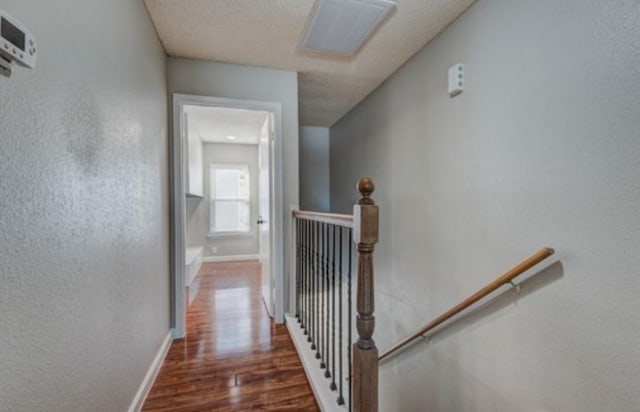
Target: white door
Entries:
(264, 219)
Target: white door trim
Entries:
(178, 302)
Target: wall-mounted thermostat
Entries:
(17, 44)
(456, 79)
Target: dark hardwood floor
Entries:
(234, 358)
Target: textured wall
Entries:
(543, 148)
(250, 83)
(314, 169)
(198, 209)
(84, 299)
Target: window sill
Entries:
(230, 235)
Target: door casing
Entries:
(178, 193)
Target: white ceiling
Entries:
(267, 33)
(214, 124)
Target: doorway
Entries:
(193, 177)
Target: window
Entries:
(230, 202)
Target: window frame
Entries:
(213, 167)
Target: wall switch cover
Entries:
(456, 79)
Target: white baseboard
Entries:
(150, 377)
(192, 270)
(232, 258)
(194, 262)
(319, 384)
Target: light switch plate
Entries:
(456, 79)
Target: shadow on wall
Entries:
(497, 303)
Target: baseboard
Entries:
(192, 270)
(150, 377)
(193, 260)
(325, 397)
(232, 258)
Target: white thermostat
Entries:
(17, 44)
(456, 80)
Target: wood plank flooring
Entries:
(234, 358)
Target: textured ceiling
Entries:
(214, 124)
(267, 33)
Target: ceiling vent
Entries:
(343, 26)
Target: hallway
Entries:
(234, 358)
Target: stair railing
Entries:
(504, 279)
(324, 250)
(323, 297)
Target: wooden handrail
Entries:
(332, 218)
(516, 271)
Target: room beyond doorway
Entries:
(227, 193)
(234, 356)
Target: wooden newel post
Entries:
(365, 353)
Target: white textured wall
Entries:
(314, 169)
(197, 210)
(201, 77)
(542, 149)
(193, 167)
(84, 269)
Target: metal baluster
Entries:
(303, 284)
(300, 238)
(317, 294)
(321, 296)
(313, 286)
(298, 270)
(306, 277)
(327, 373)
(309, 272)
(340, 396)
(307, 285)
(312, 280)
(349, 316)
(318, 287)
(333, 311)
